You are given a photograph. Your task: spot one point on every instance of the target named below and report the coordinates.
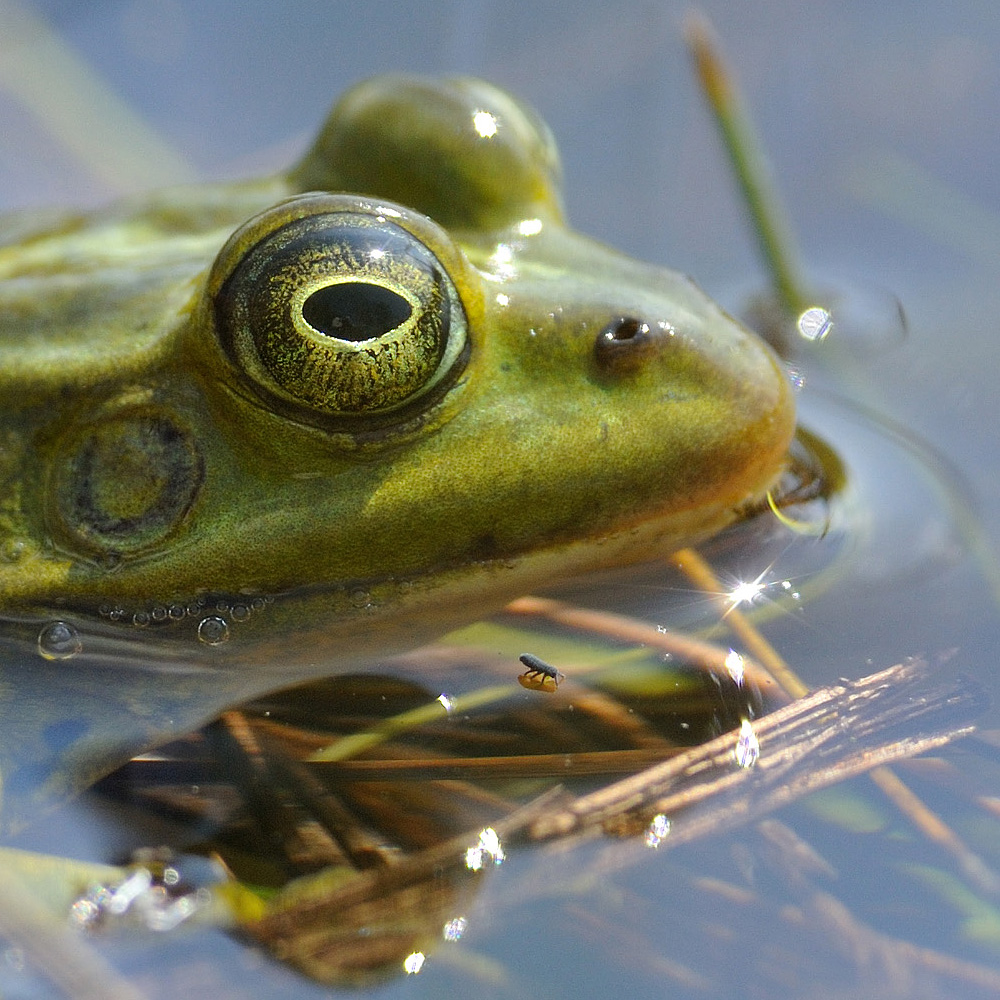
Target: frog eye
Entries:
(340, 314)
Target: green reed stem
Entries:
(767, 215)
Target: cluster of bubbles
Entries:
(154, 897)
(159, 614)
(60, 640)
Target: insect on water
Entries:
(540, 676)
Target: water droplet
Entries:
(488, 847)
(447, 701)
(658, 829)
(84, 913)
(454, 929)
(735, 666)
(213, 630)
(361, 598)
(59, 641)
(815, 323)
(747, 747)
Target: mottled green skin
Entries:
(371, 535)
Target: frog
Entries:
(259, 431)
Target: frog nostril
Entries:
(626, 328)
(624, 344)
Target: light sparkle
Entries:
(747, 746)
(414, 962)
(485, 124)
(735, 666)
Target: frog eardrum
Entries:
(334, 309)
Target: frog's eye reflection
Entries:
(355, 310)
(341, 316)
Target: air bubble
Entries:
(176, 611)
(140, 619)
(59, 641)
(213, 631)
(13, 550)
(361, 598)
(159, 613)
(241, 612)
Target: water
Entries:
(880, 124)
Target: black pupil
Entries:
(355, 310)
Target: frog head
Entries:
(292, 422)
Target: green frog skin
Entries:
(261, 431)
